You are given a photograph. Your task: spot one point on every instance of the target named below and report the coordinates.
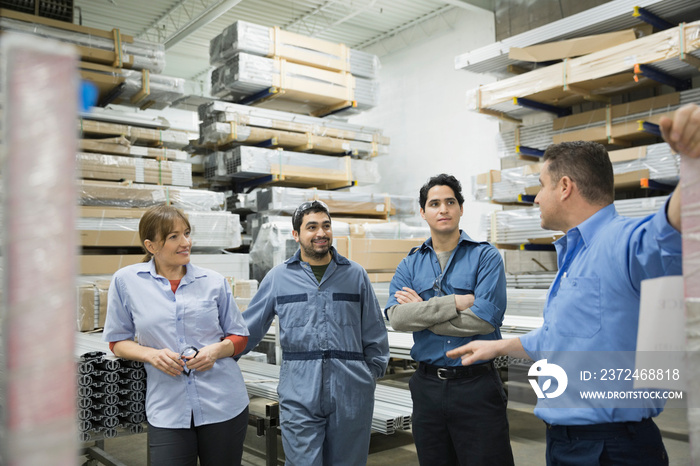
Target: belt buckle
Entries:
(441, 371)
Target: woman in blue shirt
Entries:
(181, 321)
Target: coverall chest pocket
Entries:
(207, 316)
(459, 283)
(578, 307)
(346, 308)
(293, 309)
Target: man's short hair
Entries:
(587, 164)
(441, 180)
(308, 208)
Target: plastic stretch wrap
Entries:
(218, 111)
(162, 90)
(229, 265)
(522, 225)
(223, 134)
(537, 136)
(550, 84)
(91, 304)
(171, 139)
(621, 122)
(526, 302)
(245, 74)
(118, 168)
(137, 195)
(389, 230)
(40, 98)
(530, 280)
(247, 162)
(139, 54)
(215, 230)
(247, 37)
(274, 245)
(285, 200)
(655, 162)
(121, 146)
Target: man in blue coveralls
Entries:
(334, 345)
(450, 291)
(593, 303)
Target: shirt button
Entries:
(448, 341)
(179, 319)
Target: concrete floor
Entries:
(526, 431)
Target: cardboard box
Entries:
(571, 47)
(109, 238)
(376, 255)
(106, 264)
(530, 261)
(86, 308)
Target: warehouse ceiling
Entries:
(187, 26)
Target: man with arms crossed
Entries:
(334, 342)
(593, 303)
(449, 291)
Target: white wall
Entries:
(422, 109)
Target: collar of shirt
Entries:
(585, 231)
(192, 272)
(337, 258)
(463, 237)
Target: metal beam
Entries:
(473, 5)
(183, 19)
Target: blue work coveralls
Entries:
(334, 345)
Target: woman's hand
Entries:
(166, 361)
(208, 355)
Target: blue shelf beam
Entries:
(651, 184)
(650, 128)
(534, 105)
(530, 151)
(650, 18)
(526, 198)
(264, 94)
(537, 247)
(662, 77)
(272, 142)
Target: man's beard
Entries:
(314, 254)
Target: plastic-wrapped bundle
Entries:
(359, 204)
(522, 225)
(161, 90)
(139, 170)
(247, 162)
(389, 230)
(139, 195)
(215, 229)
(247, 37)
(244, 75)
(135, 53)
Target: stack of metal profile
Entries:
(526, 302)
(530, 280)
(244, 75)
(691, 96)
(137, 54)
(111, 395)
(538, 136)
(247, 162)
(522, 225)
(242, 36)
(516, 325)
(392, 406)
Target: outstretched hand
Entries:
(682, 132)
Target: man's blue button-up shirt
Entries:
(474, 268)
(593, 303)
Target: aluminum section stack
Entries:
(529, 280)
(611, 16)
(246, 162)
(139, 195)
(135, 53)
(242, 36)
(392, 406)
(526, 302)
(522, 225)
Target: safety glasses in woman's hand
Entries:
(187, 354)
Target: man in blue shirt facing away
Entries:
(449, 291)
(593, 303)
(334, 343)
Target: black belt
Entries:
(455, 372)
(326, 354)
(598, 431)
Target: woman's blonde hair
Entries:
(156, 223)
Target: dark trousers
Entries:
(460, 421)
(219, 444)
(620, 443)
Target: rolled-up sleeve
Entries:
(490, 290)
(119, 323)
